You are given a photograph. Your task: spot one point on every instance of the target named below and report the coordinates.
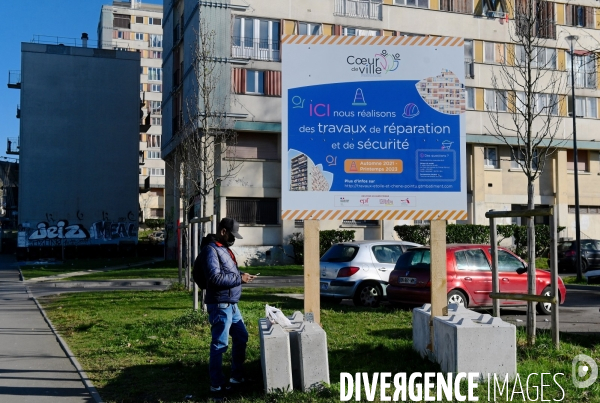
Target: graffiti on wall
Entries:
(63, 233)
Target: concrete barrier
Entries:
(294, 357)
(275, 356)
(484, 344)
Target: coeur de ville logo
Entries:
(380, 63)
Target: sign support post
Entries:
(312, 302)
(439, 291)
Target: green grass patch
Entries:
(69, 266)
(573, 280)
(150, 346)
(541, 263)
(289, 270)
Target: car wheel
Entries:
(368, 294)
(584, 266)
(457, 297)
(545, 308)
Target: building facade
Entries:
(136, 26)
(249, 45)
(77, 169)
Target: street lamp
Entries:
(572, 39)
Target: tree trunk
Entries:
(531, 266)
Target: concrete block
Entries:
(310, 362)
(482, 344)
(421, 325)
(275, 356)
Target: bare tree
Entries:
(206, 134)
(530, 86)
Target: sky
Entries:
(24, 19)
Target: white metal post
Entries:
(554, 275)
(195, 255)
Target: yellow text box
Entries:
(359, 166)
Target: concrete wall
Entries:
(79, 145)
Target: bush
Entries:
(155, 223)
(480, 234)
(326, 239)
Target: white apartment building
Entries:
(137, 26)
(249, 43)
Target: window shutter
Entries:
(272, 83)
(589, 17)
(115, 34)
(569, 14)
(239, 81)
(337, 30)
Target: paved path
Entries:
(33, 366)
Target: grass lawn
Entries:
(573, 280)
(150, 346)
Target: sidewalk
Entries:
(33, 366)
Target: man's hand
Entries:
(247, 278)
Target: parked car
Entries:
(469, 277)
(360, 270)
(590, 255)
(157, 237)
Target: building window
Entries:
(139, 36)
(457, 6)
(579, 16)
(491, 157)
(543, 58)
(121, 21)
(413, 3)
(254, 82)
(156, 54)
(585, 210)
(256, 39)
(155, 107)
(156, 172)
(254, 146)
(469, 64)
(153, 155)
(490, 6)
(585, 107)
(156, 122)
(542, 104)
(582, 160)
(585, 70)
(154, 21)
(153, 141)
(309, 28)
(157, 212)
(368, 9)
(141, 87)
(154, 73)
(470, 97)
(352, 31)
(139, 20)
(495, 100)
(156, 41)
(521, 162)
(155, 87)
(494, 52)
(253, 211)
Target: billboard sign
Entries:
(373, 128)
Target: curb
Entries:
(84, 378)
(582, 287)
(108, 283)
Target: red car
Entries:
(469, 277)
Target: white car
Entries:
(360, 270)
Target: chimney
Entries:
(84, 39)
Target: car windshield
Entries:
(340, 253)
(416, 258)
(563, 246)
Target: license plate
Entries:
(407, 280)
(324, 286)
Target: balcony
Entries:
(256, 49)
(368, 9)
(14, 79)
(12, 145)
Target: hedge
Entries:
(480, 234)
(326, 239)
(155, 223)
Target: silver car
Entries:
(360, 269)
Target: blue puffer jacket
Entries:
(224, 281)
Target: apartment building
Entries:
(249, 43)
(77, 168)
(137, 26)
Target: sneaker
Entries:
(218, 393)
(236, 381)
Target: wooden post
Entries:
(554, 277)
(312, 291)
(495, 281)
(439, 288)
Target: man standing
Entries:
(223, 291)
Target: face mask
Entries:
(230, 240)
